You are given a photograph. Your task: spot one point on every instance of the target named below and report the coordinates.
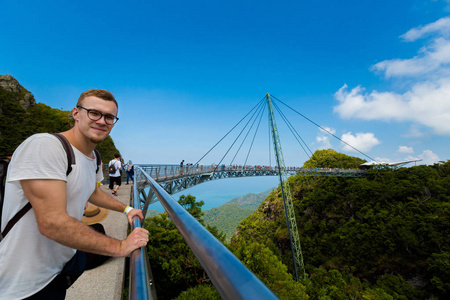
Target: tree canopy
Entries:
(388, 229)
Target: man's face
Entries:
(95, 131)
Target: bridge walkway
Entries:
(106, 282)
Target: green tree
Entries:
(174, 266)
(270, 270)
(439, 269)
(200, 292)
(329, 158)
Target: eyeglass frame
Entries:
(101, 115)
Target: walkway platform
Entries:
(106, 282)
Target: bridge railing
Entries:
(229, 275)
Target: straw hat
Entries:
(94, 214)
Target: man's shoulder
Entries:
(45, 140)
(40, 136)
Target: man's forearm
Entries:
(102, 199)
(70, 232)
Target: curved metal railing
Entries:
(139, 279)
(229, 275)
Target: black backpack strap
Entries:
(99, 160)
(3, 170)
(14, 220)
(69, 151)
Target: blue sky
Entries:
(374, 73)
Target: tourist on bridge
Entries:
(130, 170)
(38, 253)
(182, 167)
(115, 176)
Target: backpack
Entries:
(112, 167)
(4, 167)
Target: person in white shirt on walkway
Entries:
(35, 253)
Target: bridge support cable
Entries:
(229, 276)
(258, 104)
(323, 129)
(286, 194)
(254, 136)
(270, 142)
(226, 153)
(294, 132)
(260, 113)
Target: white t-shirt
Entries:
(29, 260)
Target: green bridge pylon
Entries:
(286, 194)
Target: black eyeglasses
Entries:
(95, 115)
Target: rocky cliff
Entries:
(24, 97)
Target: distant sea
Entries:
(217, 192)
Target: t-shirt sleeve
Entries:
(41, 156)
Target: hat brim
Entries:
(97, 218)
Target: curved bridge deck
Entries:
(174, 178)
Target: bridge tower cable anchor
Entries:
(296, 249)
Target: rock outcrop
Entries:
(24, 97)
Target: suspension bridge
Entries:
(157, 182)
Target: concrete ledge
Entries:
(106, 281)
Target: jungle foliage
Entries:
(17, 124)
(384, 236)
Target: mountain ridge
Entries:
(228, 216)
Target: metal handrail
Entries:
(230, 276)
(139, 284)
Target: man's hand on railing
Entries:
(134, 213)
(136, 239)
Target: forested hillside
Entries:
(228, 216)
(389, 231)
(21, 117)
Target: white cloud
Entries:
(370, 106)
(428, 157)
(323, 138)
(383, 159)
(362, 141)
(427, 102)
(405, 149)
(441, 26)
(435, 57)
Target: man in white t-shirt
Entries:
(115, 180)
(39, 245)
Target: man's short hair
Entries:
(102, 94)
(116, 155)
